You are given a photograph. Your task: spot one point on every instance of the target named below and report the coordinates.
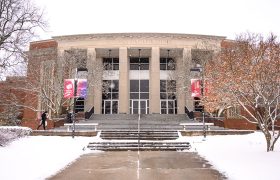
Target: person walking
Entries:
(44, 117)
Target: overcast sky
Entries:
(209, 17)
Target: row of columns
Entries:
(94, 97)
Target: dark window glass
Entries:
(135, 104)
(144, 95)
(145, 60)
(163, 95)
(106, 96)
(134, 63)
(134, 67)
(163, 60)
(135, 111)
(144, 67)
(172, 86)
(111, 63)
(107, 66)
(116, 60)
(162, 67)
(115, 95)
(170, 104)
(170, 111)
(134, 95)
(171, 65)
(162, 86)
(114, 107)
(116, 67)
(107, 60)
(144, 86)
(163, 104)
(115, 86)
(134, 60)
(171, 96)
(167, 64)
(134, 85)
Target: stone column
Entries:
(91, 58)
(184, 82)
(155, 81)
(123, 81)
(97, 86)
(187, 55)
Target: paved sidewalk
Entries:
(153, 165)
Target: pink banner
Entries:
(195, 87)
(82, 88)
(68, 88)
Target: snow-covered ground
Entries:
(238, 157)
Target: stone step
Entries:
(143, 146)
(143, 135)
(159, 117)
(141, 138)
(140, 132)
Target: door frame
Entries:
(111, 105)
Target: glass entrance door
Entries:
(111, 106)
(144, 106)
(167, 106)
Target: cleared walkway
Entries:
(153, 165)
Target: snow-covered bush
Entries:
(10, 133)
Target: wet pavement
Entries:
(153, 165)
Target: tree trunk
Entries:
(267, 137)
(270, 140)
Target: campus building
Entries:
(127, 73)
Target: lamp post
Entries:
(139, 104)
(77, 70)
(200, 69)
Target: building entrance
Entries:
(111, 106)
(142, 103)
(168, 106)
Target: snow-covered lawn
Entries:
(239, 157)
(38, 157)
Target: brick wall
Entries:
(12, 94)
(237, 123)
(38, 52)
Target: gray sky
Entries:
(209, 17)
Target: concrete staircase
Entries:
(151, 135)
(143, 146)
(155, 134)
(147, 122)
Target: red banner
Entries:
(68, 88)
(82, 88)
(195, 87)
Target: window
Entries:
(168, 102)
(167, 89)
(134, 63)
(167, 64)
(143, 89)
(110, 96)
(111, 63)
(139, 96)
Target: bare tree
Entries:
(19, 20)
(246, 74)
(46, 80)
(12, 99)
